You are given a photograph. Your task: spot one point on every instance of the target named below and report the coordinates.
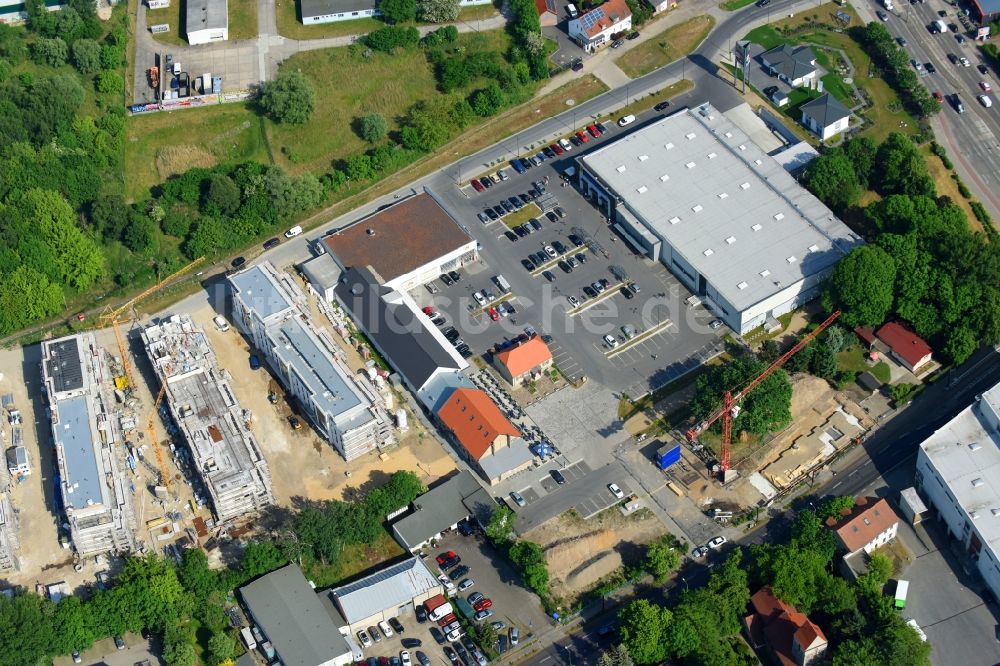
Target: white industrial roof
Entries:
(389, 588)
(731, 211)
(206, 15)
(966, 455)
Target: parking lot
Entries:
(656, 336)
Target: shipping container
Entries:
(668, 455)
(160, 27)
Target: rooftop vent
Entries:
(764, 273)
(729, 135)
(974, 446)
(813, 248)
(756, 227)
(371, 232)
(675, 220)
(995, 512)
(357, 290)
(978, 482)
(712, 156)
(731, 240)
(690, 165)
(643, 158)
(664, 178)
(669, 146)
(708, 252)
(742, 285)
(723, 195)
(621, 169)
(641, 189)
(791, 260)
(779, 216)
(744, 186)
(757, 162)
(697, 208)
(743, 146)
(690, 135)
(974, 514)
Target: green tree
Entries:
(109, 215)
(861, 151)
(373, 127)
(960, 345)
(899, 392)
(80, 261)
(221, 646)
(289, 98)
(765, 409)
(27, 296)
(858, 653)
(207, 238)
(769, 351)
(398, 11)
(26, 630)
(488, 101)
(109, 82)
(86, 55)
(862, 285)
(661, 559)
(824, 362)
(222, 195)
(834, 507)
(52, 52)
(139, 233)
(643, 629)
(437, 11)
(901, 168)
(180, 654)
(833, 179)
(500, 528)
(70, 627)
(259, 558)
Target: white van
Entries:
(502, 283)
(985, 101)
(626, 120)
(221, 323)
(571, 10)
(293, 232)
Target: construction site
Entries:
(205, 413)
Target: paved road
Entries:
(971, 138)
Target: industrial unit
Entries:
(214, 424)
(958, 473)
(346, 408)
(694, 192)
(206, 21)
(92, 483)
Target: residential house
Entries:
(870, 523)
(442, 508)
(825, 116)
(595, 28)
(522, 363)
(483, 434)
(790, 635)
(905, 346)
(548, 15)
(795, 65)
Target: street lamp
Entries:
(684, 580)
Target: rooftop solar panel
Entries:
(64, 366)
(592, 17)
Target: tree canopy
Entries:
(289, 98)
(765, 409)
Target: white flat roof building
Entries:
(693, 191)
(958, 472)
(389, 592)
(201, 399)
(206, 21)
(92, 481)
(346, 408)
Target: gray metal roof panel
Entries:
(206, 15)
(388, 588)
(325, 7)
(84, 480)
(293, 618)
(825, 109)
(725, 206)
(259, 292)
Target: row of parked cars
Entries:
(511, 204)
(450, 332)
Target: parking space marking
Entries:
(591, 302)
(641, 338)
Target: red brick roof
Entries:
(525, 356)
(904, 342)
(866, 334)
(610, 13)
(858, 526)
(782, 623)
(399, 239)
(543, 6)
(475, 420)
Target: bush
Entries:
(86, 55)
(373, 127)
(391, 37)
(52, 52)
(289, 98)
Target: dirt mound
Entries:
(810, 395)
(593, 570)
(172, 160)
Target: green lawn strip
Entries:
(172, 16)
(833, 84)
(767, 37)
(675, 42)
(519, 217)
(733, 5)
(242, 19)
(353, 559)
(290, 26)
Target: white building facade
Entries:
(958, 474)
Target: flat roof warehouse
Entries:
(697, 181)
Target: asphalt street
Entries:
(971, 138)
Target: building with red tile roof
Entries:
(595, 28)
(906, 346)
(524, 361)
(547, 14)
(793, 638)
(486, 438)
(869, 524)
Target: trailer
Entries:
(902, 587)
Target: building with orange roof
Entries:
(794, 639)
(906, 346)
(595, 28)
(484, 436)
(547, 14)
(869, 524)
(525, 361)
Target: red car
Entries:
(476, 185)
(557, 149)
(582, 136)
(594, 132)
(938, 96)
(430, 312)
(446, 620)
(443, 557)
(483, 604)
(494, 315)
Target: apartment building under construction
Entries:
(95, 492)
(202, 402)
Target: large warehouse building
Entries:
(87, 439)
(693, 191)
(958, 472)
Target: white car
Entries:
(985, 101)
(386, 629)
(365, 641)
(610, 341)
(566, 145)
(551, 251)
(715, 324)
(916, 628)
(700, 551)
(448, 585)
(626, 120)
(480, 297)
(454, 635)
(615, 490)
(717, 542)
(466, 584)
(965, 62)
(404, 656)
(573, 303)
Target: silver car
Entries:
(518, 498)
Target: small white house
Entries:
(207, 21)
(595, 28)
(796, 66)
(825, 116)
(328, 11)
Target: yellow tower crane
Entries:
(151, 436)
(112, 317)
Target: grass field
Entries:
(289, 24)
(154, 148)
(853, 360)
(946, 186)
(353, 560)
(242, 19)
(675, 42)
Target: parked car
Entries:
(386, 629)
(411, 642)
(421, 613)
(559, 211)
(422, 658)
(626, 120)
(558, 477)
(483, 604)
(717, 542)
(483, 614)
(437, 635)
(498, 625)
(119, 642)
(577, 65)
(404, 657)
(615, 490)
(575, 240)
(475, 597)
(594, 132)
(459, 572)
(466, 584)
(572, 300)
(617, 43)
(238, 261)
(477, 186)
(271, 242)
(396, 625)
(375, 634)
(515, 635)
(610, 341)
